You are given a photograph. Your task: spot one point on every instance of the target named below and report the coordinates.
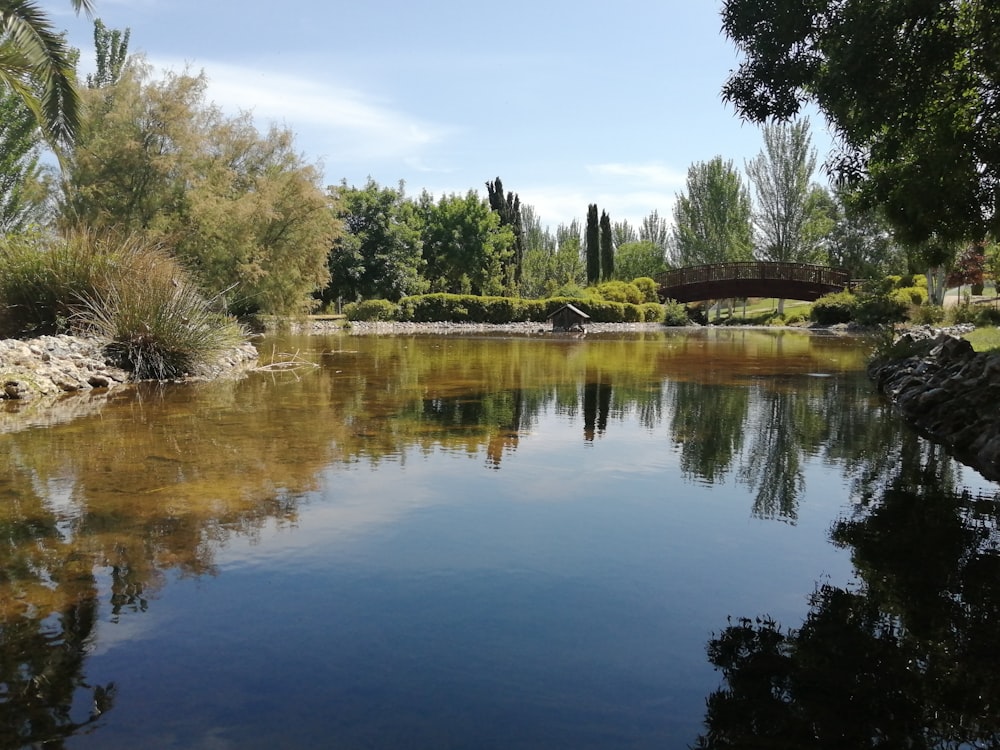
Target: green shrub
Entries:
(910, 295)
(653, 312)
(620, 291)
(42, 279)
(648, 287)
(988, 316)
(796, 316)
(962, 313)
(926, 315)
(371, 310)
(877, 309)
(675, 314)
(834, 308)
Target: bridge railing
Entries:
(755, 269)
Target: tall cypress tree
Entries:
(593, 245)
(509, 209)
(607, 248)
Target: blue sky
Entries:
(568, 102)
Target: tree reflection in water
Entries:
(906, 658)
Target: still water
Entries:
(662, 539)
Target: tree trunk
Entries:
(936, 285)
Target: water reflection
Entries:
(905, 658)
(101, 511)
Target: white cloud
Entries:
(651, 174)
(350, 123)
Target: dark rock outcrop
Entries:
(948, 391)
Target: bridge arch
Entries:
(756, 278)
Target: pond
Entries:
(636, 540)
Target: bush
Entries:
(43, 278)
(620, 291)
(834, 308)
(675, 314)
(652, 312)
(648, 287)
(371, 310)
(877, 309)
(910, 295)
(988, 316)
(927, 315)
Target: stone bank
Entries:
(51, 366)
(948, 391)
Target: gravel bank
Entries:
(53, 366)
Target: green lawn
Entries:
(984, 339)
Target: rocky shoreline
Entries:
(947, 391)
(49, 367)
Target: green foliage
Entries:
(122, 288)
(712, 218)
(508, 208)
(593, 245)
(648, 287)
(21, 188)
(927, 315)
(620, 291)
(607, 248)
(465, 247)
(962, 313)
(371, 310)
(42, 279)
(239, 208)
(789, 215)
(462, 308)
(834, 308)
(111, 51)
(878, 309)
(909, 89)
(379, 252)
(675, 314)
(37, 65)
(909, 295)
(860, 239)
(639, 259)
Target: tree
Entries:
(712, 218)
(21, 189)
(637, 259)
(111, 50)
(607, 248)
(593, 245)
(378, 255)
(239, 207)
(38, 66)
(466, 249)
(909, 89)
(861, 240)
(622, 232)
(785, 217)
(509, 209)
(655, 229)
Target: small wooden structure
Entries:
(568, 318)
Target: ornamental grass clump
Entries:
(157, 322)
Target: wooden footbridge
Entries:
(752, 279)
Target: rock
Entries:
(948, 390)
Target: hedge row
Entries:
(461, 308)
